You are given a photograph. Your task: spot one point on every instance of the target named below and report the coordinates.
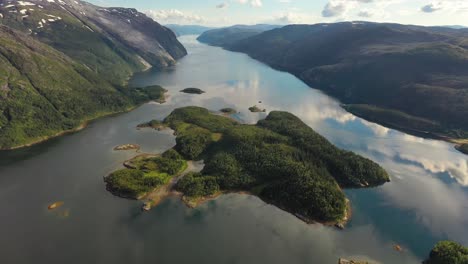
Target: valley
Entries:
(407, 77)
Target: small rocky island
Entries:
(256, 109)
(228, 111)
(127, 147)
(154, 124)
(280, 159)
(347, 261)
(192, 91)
(153, 93)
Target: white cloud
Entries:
(253, 3)
(365, 13)
(432, 7)
(334, 8)
(174, 16)
(452, 6)
(291, 17)
(337, 8)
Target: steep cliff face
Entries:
(63, 62)
(111, 41)
(157, 44)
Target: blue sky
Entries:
(229, 12)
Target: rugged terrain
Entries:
(65, 62)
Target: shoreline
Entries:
(80, 127)
(413, 132)
(193, 203)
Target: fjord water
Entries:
(426, 201)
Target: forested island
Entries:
(280, 159)
(448, 252)
(192, 90)
(256, 109)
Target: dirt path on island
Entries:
(155, 197)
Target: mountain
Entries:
(64, 62)
(409, 77)
(182, 30)
(111, 41)
(229, 35)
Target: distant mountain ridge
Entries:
(182, 30)
(408, 77)
(226, 36)
(63, 62)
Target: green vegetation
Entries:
(192, 91)
(448, 252)
(198, 185)
(150, 93)
(144, 174)
(154, 124)
(280, 159)
(39, 101)
(463, 148)
(196, 129)
(255, 109)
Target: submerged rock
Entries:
(398, 248)
(127, 147)
(346, 261)
(55, 205)
(146, 207)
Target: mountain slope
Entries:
(64, 62)
(409, 77)
(110, 41)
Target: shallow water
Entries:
(425, 202)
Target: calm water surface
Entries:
(426, 201)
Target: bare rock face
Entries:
(156, 44)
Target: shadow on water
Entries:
(10, 157)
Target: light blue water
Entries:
(425, 202)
